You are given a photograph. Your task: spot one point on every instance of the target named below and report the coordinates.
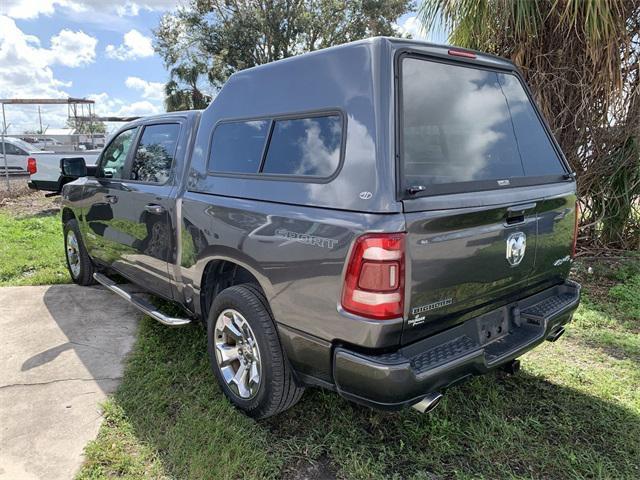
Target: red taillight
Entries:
(461, 53)
(32, 166)
(374, 283)
(576, 224)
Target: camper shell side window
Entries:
(304, 147)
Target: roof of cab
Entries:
(167, 116)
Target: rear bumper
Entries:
(45, 185)
(404, 377)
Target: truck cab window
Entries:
(12, 149)
(155, 153)
(115, 155)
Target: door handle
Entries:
(111, 198)
(515, 214)
(154, 208)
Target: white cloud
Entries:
(149, 90)
(412, 26)
(27, 9)
(73, 49)
(25, 65)
(107, 105)
(140, 109)
(26, 72)
(134, 45)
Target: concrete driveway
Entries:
(61, 353)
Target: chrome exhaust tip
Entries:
(428, 403)
(556, 334)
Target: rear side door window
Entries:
(114, 158)
(155, 153)
(305, 146)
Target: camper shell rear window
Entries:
(463, 128)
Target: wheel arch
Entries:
(67, 214)
(221, 273)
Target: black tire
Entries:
(277, 390)
(83, 274)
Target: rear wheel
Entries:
(246, 355)
(78, 262)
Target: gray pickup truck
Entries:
(384, 219)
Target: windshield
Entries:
(462, 124)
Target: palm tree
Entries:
(182, 92)
(582, 60)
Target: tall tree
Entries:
(86, 127)
(582, 60)
(208, 40)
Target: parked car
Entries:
(17, 151)
(384, 219)
(45, 171)
(47, 143)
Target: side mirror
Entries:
(73, 167)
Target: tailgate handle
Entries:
(155, 209)
(515, 214)
(112, 199)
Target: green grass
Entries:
(31, 250)
(572, 412)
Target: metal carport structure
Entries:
(72, 111)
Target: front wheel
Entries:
(246, 355)
(78, 262)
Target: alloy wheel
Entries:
(237, 354)
(73, 254)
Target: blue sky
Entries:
(105, 74)
(89, 48)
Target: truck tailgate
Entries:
(461, 262)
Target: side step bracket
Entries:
(140, 303)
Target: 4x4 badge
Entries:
(516, 245)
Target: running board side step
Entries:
(140, 303)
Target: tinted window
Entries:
(305, 146)
(22, 146)
(12, 149)
(465, 124)
(538, 155)
(237, 147)
(154, 155)
(115, 155)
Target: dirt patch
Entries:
(16, 188)
(29, 203)
(320, 469)
(597, 275)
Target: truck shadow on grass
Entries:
(528, 425)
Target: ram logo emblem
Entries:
(516, 246)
